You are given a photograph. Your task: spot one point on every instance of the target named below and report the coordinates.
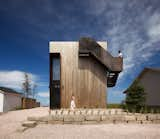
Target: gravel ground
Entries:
(11, 121)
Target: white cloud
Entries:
(95, 7)
(128, 33)
(14, 79)
(118, 92)
(43, 94)
(99, 7)
(130, 26)
(153, 27)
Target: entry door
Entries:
(55, 83)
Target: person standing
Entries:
(73, 105)
(120, 54)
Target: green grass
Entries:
(111, 106)
(147, 109)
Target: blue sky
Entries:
(26, 27)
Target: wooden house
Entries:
(149, 79)
(84, 69)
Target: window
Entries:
(56, 68)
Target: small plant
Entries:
(152, 110)
(145, 110)
(96, 106)
(18, 108)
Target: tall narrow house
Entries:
(84, 69)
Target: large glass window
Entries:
(56, 68)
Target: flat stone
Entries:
(74, 118)
(57, 117)
(113, 111)
(117, 118)
(156, 121)
(71, 112)
(73, 123)
(119, 111)
(77, 112)
(105, 118)
(101, 112)
(89, 122)
(40, 119)
(83, 112)
(95, 112)
(130, 118)
(113, 118)
(107, 112)
(79, 118)
(133, 122)
(22, 129)
(45, 118)
(106, 122)
(117, 122)
(29, 124)
(151, 117)
(89, 112)
(53, 112)
(158, 116)
(65, 112)
(59, 112)
(141, 117)
(68, 118)
(31, 118)
(93, 118)
(146, 122)
(42, 122)
(55, 122)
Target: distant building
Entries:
(9, 99)
(84, 69)
(149, 78)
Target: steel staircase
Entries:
(114, 65)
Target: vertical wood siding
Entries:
(83, 77)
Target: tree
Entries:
(34, 90)
(26, 86)
(135, 97)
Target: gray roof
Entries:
(147, 69)
(9, 90)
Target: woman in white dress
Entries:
(73, 105)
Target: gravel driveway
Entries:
(11, 121)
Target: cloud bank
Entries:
(43, 94)
(14, 79)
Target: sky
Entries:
(27, 26)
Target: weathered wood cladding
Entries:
(84, 77)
